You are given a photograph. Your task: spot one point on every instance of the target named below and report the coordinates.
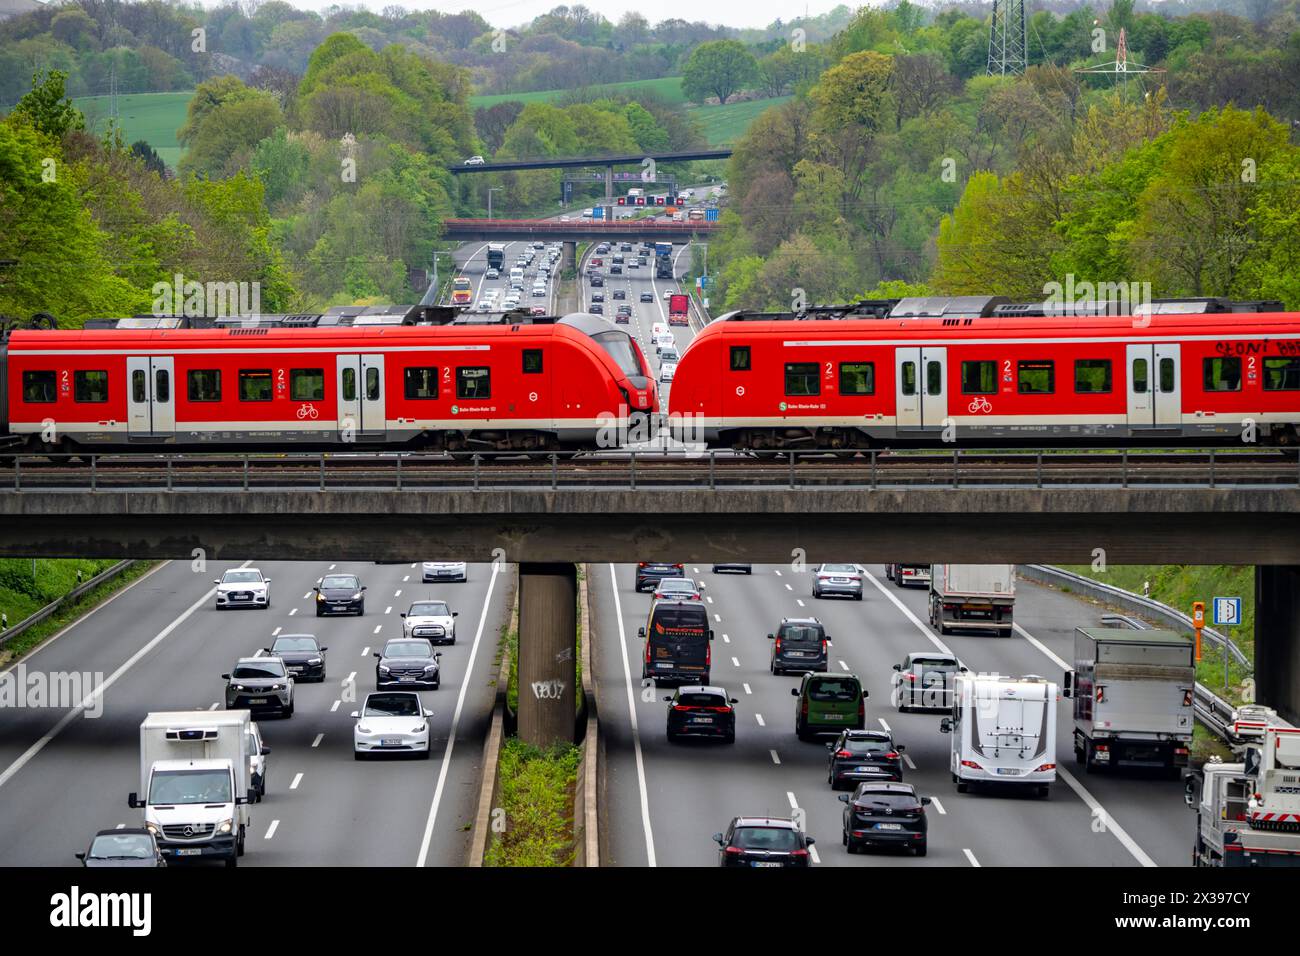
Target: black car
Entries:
(302, 655)
(649, 573)
(733, 566)
(698, 711)
(885, 814)
(799, 645)
(340, 594)
(596, 309)
(647, 296)
(133, 847)
(620, 293)
(616, 270)
(408, 662)
(859, 756)
(625, 247)
(597, 281)
(763, 841)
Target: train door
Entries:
(1155, 397)
(360, 387)
(150, 398)
(921, 387)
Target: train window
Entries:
(740, 358)
(90, 386)
(421, 382)
(255, 385)
(38, 387)
(372, 384)
(934, 378)
(1223, 374)
(1140, 376)
(1036, 377)
(162, 387)
(1282, 374)
(474, 382)
(138, 386)
(1167, 379)
(1092, 376)
(979, 378)
(532, 361)
(857, 378)
(349, 384)
(307, 384)
(802, 378)
(907, 381)
(203, 384)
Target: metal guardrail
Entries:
(1211, 710)
(71, 597)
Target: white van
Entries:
(1003, 730)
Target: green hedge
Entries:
(536, 793)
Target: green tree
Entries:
(719, 68)
(47, 108)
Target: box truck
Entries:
(1003, 731)
(1134, 693)
(972, 596)
(195, 786)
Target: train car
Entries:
(976, 370)
(462, 291)
(507, 382)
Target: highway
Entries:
(161, 645)
(663, 802)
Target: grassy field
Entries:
(723, 125)
(668, 88)
(152, 117)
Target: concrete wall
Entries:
(1277, 639)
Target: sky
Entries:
(511, 13)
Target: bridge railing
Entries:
(659, 466)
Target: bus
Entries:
(696, 215)
(462, 291)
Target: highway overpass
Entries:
(576, 230)
(577, 162)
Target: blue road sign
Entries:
(1227, 611)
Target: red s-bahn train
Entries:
(386, 377)
(982, 370)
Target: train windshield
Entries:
(619, 347)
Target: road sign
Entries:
(1227, 611)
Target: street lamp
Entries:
(493, 189)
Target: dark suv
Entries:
(863, 755)
(649, 573)
(699, 711)
(885, 814)
(762, 841)
(799, 645)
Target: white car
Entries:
(391, 722)
(243, 587)
(474, 161)
(668, 294)
(666, 372)
(444, 570)
(663, 340)
(431, 620)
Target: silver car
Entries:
(260, 684)
(842, 579)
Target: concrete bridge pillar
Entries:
(548, 627)
(568, 255)
(609, 185)
(1277, 638)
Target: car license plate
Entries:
(390, 742)
(257, 700)
(839, 580)
(889, 826)
(1009, 771)
(765, 863)
(796, 653)
(295, 670)
(663, 665)
(703, 720)
(190, 851)
(833, 716)
(406, 680)
(866, 770)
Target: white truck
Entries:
(1133, 693)
(1003, 731)
(1248, 813)
(196, 783)
(972, 596)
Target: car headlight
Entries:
(225, 826)
(236, 687)
(277, 687)
(363, 729)
(314, 660)
(152, 828)
(357, 596)
(430, 667)
(319, 596)
(419, 728)
(383, 668)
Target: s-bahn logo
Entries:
(783, 406)
(455, 409)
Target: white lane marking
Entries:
(293, 611)
(778, 572)
(378, 628)
(120, 826)
(726, 639)
(934, 802)
(717, 618)
(709, 598)
(319, 738)
(695, 570)
(455, 721)
(260, 652)
(270, 831)
(25, 757)
(789, 588)
(885, 725)
(397, 593)
(335, 706)
(794, 804)
(296, 780)
(799, 601)
(747, 690)
(923, 628)
(389, 609)
(775, 759)
(306, 596)
(407, 577)
(812, 852)
(276, 632)
(215, 705)
(331, 567)
(636, 732)
(349, 679)
(1099, 812)
(908, 760)
(735, 662)
(365, 651)
(843, 666)
(970, 856)
(1042, 647)
(759, 718)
